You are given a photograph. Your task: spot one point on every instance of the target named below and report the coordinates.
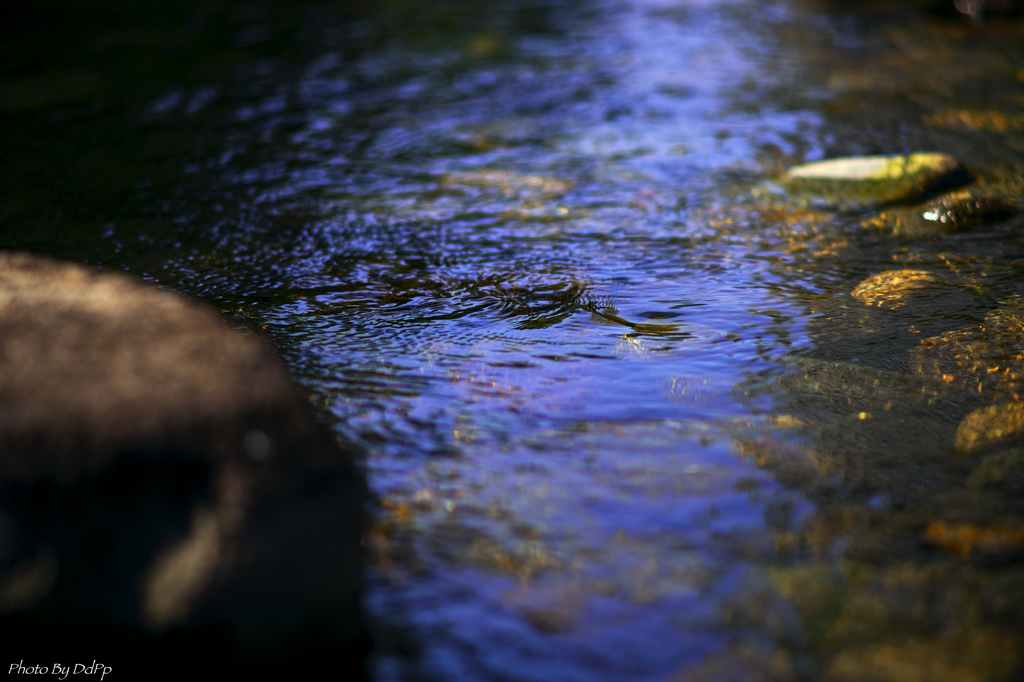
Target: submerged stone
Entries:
(874, 181)
(509, 183)
(998, 470)
(164, 494)
(981, 655)
(951, 213)
(985, 359)
(988, 425)
(888, 289)
(966, 539)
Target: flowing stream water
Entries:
(623, 418)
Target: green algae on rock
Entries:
(874, 181)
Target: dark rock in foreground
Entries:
(166, 502)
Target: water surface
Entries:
(621, 414)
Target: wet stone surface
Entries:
(873, 181)
(959, 211)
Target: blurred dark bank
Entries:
(495, 340)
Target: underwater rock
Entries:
(741, 661)
(508, 183)
(916, 292)
(966, 539)
(553, 610)
(889, 289)
(998, 470)
(982, 359)
(988, 425)
(950, 213)
(874, 181)
(165, 497)
(980, 655)
(989, 120)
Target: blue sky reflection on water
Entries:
(513, 302)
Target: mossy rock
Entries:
(874, 181)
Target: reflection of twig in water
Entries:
(604, 307)
(642, 327)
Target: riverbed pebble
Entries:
(508, 183)
(889, 289)
(984, 359)
(988, 425)
(998, 469)
(966, 539)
